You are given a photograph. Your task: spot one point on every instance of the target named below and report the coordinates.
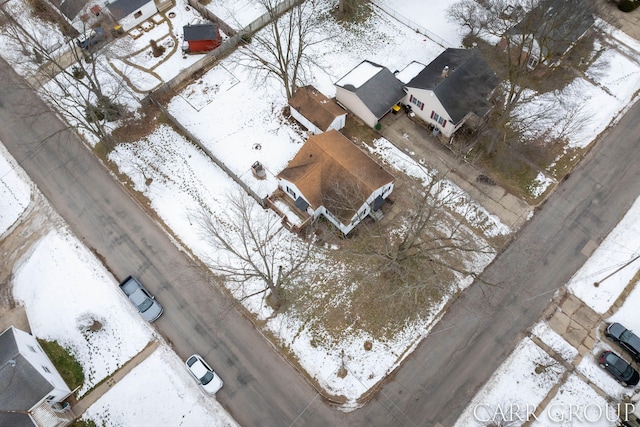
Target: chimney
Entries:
(445, 71)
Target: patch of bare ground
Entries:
(36, 221)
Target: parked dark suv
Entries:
(627, 339)
(619, 368)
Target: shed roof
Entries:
(200, 32)
(22, 385)
(331, 171)
(123, 8)
(375, 85)
(467, 85)
(317, 108)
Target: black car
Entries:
(627, 339)
(619, 368)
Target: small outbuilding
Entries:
(315, 111)
(369, 91)
(201, 37)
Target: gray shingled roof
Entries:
(122, 8)
(200, 32)
(380, 93)
(22, 385)
(467, 86)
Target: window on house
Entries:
(438, 119)
(46, 369)
(416, 102)
(138, 14)
(50, 398)
(290, 191)
(532, 62)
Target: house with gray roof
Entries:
(32, 392)
(451, 90)
(131, 13)
(369, 91)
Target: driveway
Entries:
(418, 143)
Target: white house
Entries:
(454, 88)
(369, 91)
(332, 177)
(315, 111)
(31, 389)
(131, 13)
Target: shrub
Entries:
(156, 49)
(628, 5)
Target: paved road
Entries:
(260, 389)
(435, 383)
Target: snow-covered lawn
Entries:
(239, 120)
(15, 191)
(158, 392)
(516, 388)
(612, 266)
(589, 408)
(70, 298)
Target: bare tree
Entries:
(254, 247)
(429, 245)
(285, 50)
(534, 36)
(77, 82)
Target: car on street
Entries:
(94, 37)
(627, 339)
(149, 308)
(202, 372)
(619, 369)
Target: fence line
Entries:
(411, 24)
(217, 161)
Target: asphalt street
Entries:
(261, 389)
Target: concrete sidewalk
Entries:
(95, 394)
(418, 143)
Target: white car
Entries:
(206, 377)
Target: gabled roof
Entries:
(317, 108)
(123, 8)
(556, 25)
(375, 85)
(468, 83)
(21, 385)
(200, 32)
(331, 171)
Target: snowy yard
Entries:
(580, 390)
(239, 119)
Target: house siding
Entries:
(430, 107)
(145, 12)
(293, 192)
(352, 103)
(305, 122)
(202, 45)
(32, 352)
(339, 122)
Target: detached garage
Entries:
(369, 91)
